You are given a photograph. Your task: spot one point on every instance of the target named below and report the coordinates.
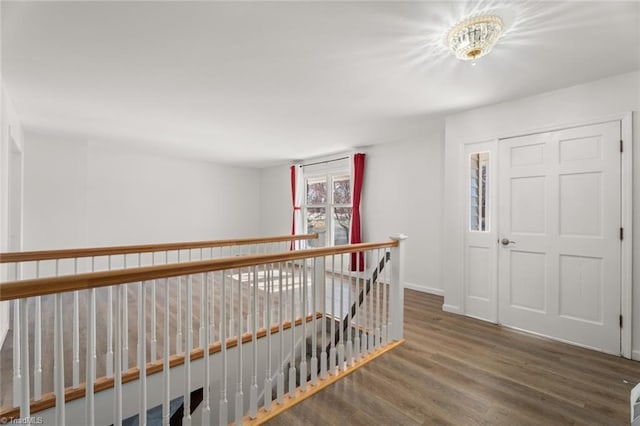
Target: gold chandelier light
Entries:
(475, 37)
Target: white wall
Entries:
(275, 201)
(85, 193)
(10, 129)
(402, 192)
(573, 105)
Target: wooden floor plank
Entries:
(461, 371)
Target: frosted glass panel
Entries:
(479, 191)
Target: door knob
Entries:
(506, 242)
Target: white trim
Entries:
(490, 146)
(556, 339)
(549, 128)
(626, 221)
(479, 318)
(636, 355)
(424, 289)
(452, 309)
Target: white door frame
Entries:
(626, 213)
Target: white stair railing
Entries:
(299, 338)
(634, 401)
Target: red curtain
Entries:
(357, 262)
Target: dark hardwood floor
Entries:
(461, 371)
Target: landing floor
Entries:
(461, 371)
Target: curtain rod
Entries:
(323, 162)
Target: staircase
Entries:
(220, 332)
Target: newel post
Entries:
(396, 288)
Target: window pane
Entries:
(341, 222)
(478, 191)
(317, 190)
(341, 190)
(316, 222)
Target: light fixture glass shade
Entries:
(475, 37)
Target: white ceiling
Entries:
(259, 83)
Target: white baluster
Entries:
(37, 345)
(341, 329)
(186, 419)
(179, 313)
(314, 330)
(280, 382)
(359, 344)
(292, 363)
(89, 395)
(372, 301)
(17, 375)
(301, 291)
(303, 345)
(250, 296)
(385, 298)
(76, 333)
(25, 398)
(203, 306)
(239, 394)
(253, 392)
(385, 284)
(191, 330)
(332, 350)
(212, 314)
(350, 328)
(223, 418)
(365, 310)
(58, 359)
(166, 399)
(109, 361)
(142, 356)
(37, 351)
(154, 332)
(94, 335)
(232, 323)
(125, 323)
(206, 398)
(117, 400)
(376, 342)
(323, 325)
(268, 384)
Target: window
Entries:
(327, 208)
(478, 191)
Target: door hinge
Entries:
(621, 146)
(621, 234)
(620, 321)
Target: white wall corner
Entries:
(424, 288)
(635, 355)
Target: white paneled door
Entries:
(559, 235)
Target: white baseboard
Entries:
(635, 354)
(424, 289)
(452, 309)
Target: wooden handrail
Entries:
(28, 256)
(43, 286)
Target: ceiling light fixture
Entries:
(475, 37)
